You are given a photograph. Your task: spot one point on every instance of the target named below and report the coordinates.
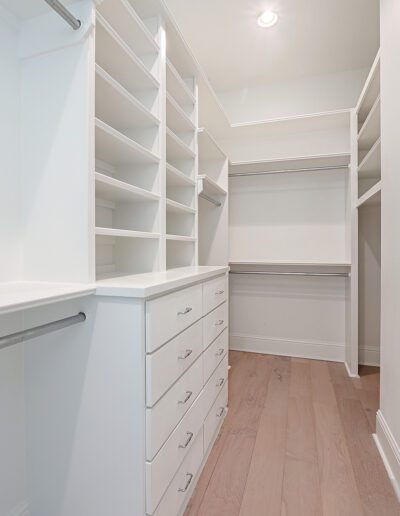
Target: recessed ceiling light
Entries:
(267, 19)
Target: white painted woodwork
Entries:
(215, 384)
(214, 353)
(215, 292)
(214, 323)
(213, 419)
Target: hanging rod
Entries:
(274, 273)
(64, 13)
(210, 199)
(285, 171)
(23, 335)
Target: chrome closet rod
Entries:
(64, 13)
(274, 273)
(285, 171)
(210, 199)
(23, 335)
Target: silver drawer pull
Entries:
(190, 478)
(219, 352)
(188, 352)
(186, 311)
(190, 434)
(221, 411)
(188, 395)
(220, 382)
(219, 292)
(218, 323)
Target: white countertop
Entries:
(155, 283)
(20, 295)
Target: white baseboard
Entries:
(21, 510)
(284, 347)
(369, 356)
(389, 450)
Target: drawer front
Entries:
(215, 353)
(167, 364)
(214, 323)
(177, 493)
(166, 414)
(162, 469)
(169, 315)
(215, 292)
(214, 385)
(215, 417)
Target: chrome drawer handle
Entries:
(188, 352)
(188, 395)
(190, 434)
(220, 382)
(221, 411)
(219, 292)
(190, 478)
(186, 311)
(219, 352)
(218, 323)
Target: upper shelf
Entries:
(209, 187)
(122, 16)
(21, 295)
(371, 129)
(372, 196)
(177, 87)
(177, 178)
(177, 119)
(300, 163)
(371, 165)
(208, 147)
(114, 190)
(176, 148)
(370, 91)
(117, 58)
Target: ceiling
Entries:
(312, 37)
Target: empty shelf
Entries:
(177, 207)
(114, 190)
(177, 178)
(177, 119)
(176, 148)
(209, 187)
(177, 87)
(371, 129)
(372, 196)
(117, 149)
(371, 165)
(118, 107)
(208, 147)
(180, 238)
(111, 232)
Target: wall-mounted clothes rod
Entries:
(289, 170)
(210, 199)
(23, 335)
(64, 13)
(276, 273)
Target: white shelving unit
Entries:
(364, 346)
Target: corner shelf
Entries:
(372, 196)
(122, 16)
(115, 148)
(370, 166)
(114, 190)
(116, 57)
(117, 106)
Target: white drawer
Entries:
(167, 364)
(166, 414)
(214, 323)
(214, 354)
(215, 417)
(214, 385)
(168, 315)
(160, 472)
(177, 493)
(215, 292)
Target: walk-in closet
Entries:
(199, 281)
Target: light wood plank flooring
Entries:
(297, 441)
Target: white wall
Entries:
(10, 257)
(388, 429)
(283, 99)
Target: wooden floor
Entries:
(297, 441)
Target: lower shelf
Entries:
(371, 196)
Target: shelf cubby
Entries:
(180, 252)
(115, 57)
(114, 190)
(176, 178)
(177, 119)
(179, 89)
(180, 223)
(371, 129)
(178, 208)
(371, 196)
(179, 155)
(370, 93)
(369, 170)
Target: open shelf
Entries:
(209, 187)
(124, 19)
(180, 238)
(370, 92)
(116, 57)
(176, 148)
(371, 129)
(208, 147)
(372, 196)
(114, 190)
(115, 148)
(370, 166)
(119, 108)
(177, 207)
(111, 232)
(177, 119)
(177, 178)
(178, 88)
